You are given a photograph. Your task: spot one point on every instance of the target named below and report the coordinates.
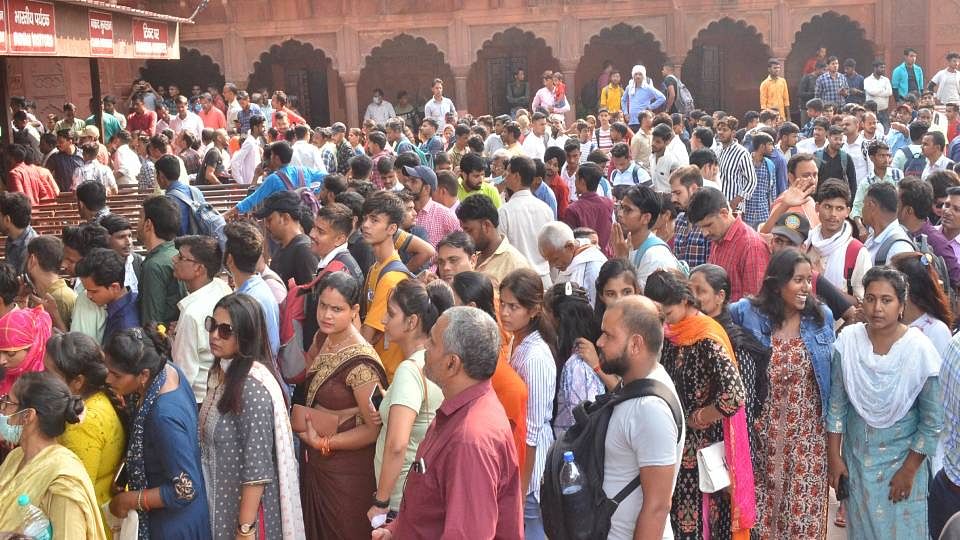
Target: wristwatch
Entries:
(380, 504)
(247, 529)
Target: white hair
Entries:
(555, 235)
(474, 336)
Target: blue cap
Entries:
(424, 173)
(568, 456)
(23, 500)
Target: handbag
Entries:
(712, 466)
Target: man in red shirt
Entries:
(737, 248)
(465, 481)
(590, 209)
(35, 182)
(553, 160)
(211, 116)
(141, 119)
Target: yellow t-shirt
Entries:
(486, 188)
(376, 293)
(99, 441)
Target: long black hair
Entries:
(50, 397)
(612, 269)
(574, 318)
(250, 329)
(527, 287)
(923, 285)
(780, 270)
(426, 302)
(75, 354)
(669, 289)
(477, 288)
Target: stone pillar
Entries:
(235, 68)
(353, 106)
(460, 89)
(569, 69)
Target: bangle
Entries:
(380, 504)
(324, 446)
(597, 369)
(140, 501)
(146, 505)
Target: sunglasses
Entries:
(224, 330)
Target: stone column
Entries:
(235, 68)
(460, 89)
(353, 106)
(569, 69)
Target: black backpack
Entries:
(586, 514)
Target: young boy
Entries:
(559, 90)
(102, 272)
(388, 175)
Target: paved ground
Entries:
(834, 532)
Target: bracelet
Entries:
(140, 501)
(247, 529)
(380, 504)
(597, 369)
(146, 505)
(324, 447)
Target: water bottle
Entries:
(570, 475)
(36, 524)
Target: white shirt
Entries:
(308, 156)
(94, 170)
(874, 241)
(127, 164)
(191, 343)
(878, 91)
(948, 86)
(657, 257)
(130, 278)
(626, 177)
(584, 269)
(855, 151)
(943, 163)
(232, 111)
(379, 113)
(641, 433)
(809, 146)
(438, 111)
(191, 123)
(244, 162)
(677, 149)
(533, 146)
(662, 167)
(521, 219)
(492, 144)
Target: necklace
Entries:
(331, 345)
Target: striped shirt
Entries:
(950, 383)
(737, 175)
(534, 363)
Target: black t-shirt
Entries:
(832, 297)
(213, 158)
(361, 252)
(295, 260)
(669, 81)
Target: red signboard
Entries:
(3, 28)
(150, 38)
(101, 33)
(32, 28)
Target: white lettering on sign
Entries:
(97, 24)
(150, 32)
(27, 17)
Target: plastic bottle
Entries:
(570, 475)
(36, 524)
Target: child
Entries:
(559, 90)
(588, 143)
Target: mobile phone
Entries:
(843, 488)
(376, 397)
(120, 479)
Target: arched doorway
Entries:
(725, 67)
(193, 68)
(623, 45)
(422, 63)
(306, 75)
(496, 62)
(843, 38)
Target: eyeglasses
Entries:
(223, 330)
(178, 257)
(6, 402)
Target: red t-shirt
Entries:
(146, 122)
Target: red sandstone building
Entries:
(330, 54)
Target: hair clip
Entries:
(567, 289)
(162, 330)
(925, 259)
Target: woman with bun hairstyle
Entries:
(162, 464)
(40, 471)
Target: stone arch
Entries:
(422, 62)
(625, 46)
(496, 62)
(842, 36)
(194, 67)
(726, 65)
(308, 77)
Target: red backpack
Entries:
(850, 261)
(292, 358)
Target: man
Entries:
(211, 116)
(283, 215)
(511, 139)
(662, 162)
(472, 180)
(377, 148)
(35, 182)
(141, 119)
(44, 258)
(438, 220)
(382, 214)
(533, 144)
(66, 161)
(553, 161)
(455, 254)
(70, 120)
(577, 261)
(473, 488)
(757, 207)
(612, 93)
(855, 90)
(331, 228)
(854, 145)
(494, 141)
(432, 143)
(446, 192)
(94, 171)
(305, 153)
(278, 103)
(932, 146)
(120, 239)
(522, 217)
(845, 259)
(879, 154)
(802, 181)
(953, 121)
(159, 290)
(284, 174)
(248, 110)
(740, 250)
(907, 78)
(378, 110)
(832, 86)
(244, 249)
(783, 150)
(909, 157)
(944, 499)
(108, 122)
(233, 104)
(625, 170)
(27, 136)
(833, 160)
(496, 257)
(185, 119)
(590, 209)
(642, 435)
(632, 236)
(819, 127)
(437, 107)
(689, 244)
(887, 237)
(946, 83)
(705, 160)
(169, 179)
(737, 174)
(196, 265)
(878, 90)
(916, 202)
(101, 272)
(397, 141)
(15, 212)
(774, 93)
(244, 163)
(639, 97)
(88, 318)
(807, 91)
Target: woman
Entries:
(521, 311)
(355, 138)
(617, 278)
(699, 358)
(792, 491)
(23, 340)
(927, 308)
(885, 413)
(569, 309)
(411, 402)
(99, 440)
(164, 477)
(33, 415)
(336, 473)
(246, 445)
(476, 290)
(710, 284)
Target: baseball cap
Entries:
(90, 131)
(285, 202)
(794, 226)
(424, 173)
(338, 127)
(598, 156)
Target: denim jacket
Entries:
(818, 339)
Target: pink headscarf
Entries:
(21, 329)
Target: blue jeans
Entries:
(532, 520)
(943, 502)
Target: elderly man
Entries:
(578, 260)
(465, 472)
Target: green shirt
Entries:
(87, 317)
(159, 290)
(486, 188)
(110, 125)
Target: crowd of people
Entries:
(386, 335)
